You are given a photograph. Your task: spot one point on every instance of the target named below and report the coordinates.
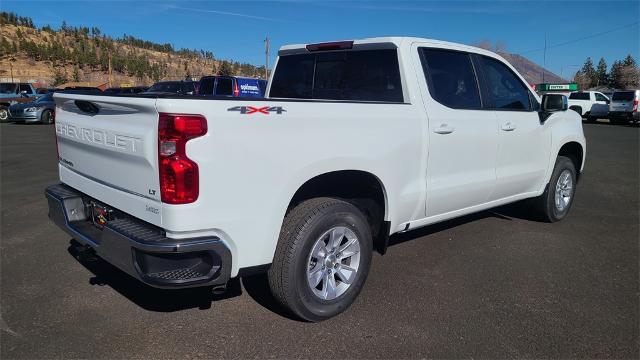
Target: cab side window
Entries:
(505, 88)
(600, 97)
(25, 88)
(451, 78)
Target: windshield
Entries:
(45, 98)
(623, 96)
(172, 87)
(8, 88)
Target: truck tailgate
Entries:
(109, 145)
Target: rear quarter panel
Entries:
(251, 165)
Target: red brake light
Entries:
(635, 105)
(336, 45)
(179, 177)
(236, 91)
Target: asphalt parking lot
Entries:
(492, 285)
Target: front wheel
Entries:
(555, 202)
(46, 117)
(322, 258)
(4, 114)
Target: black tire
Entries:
(302, 227)
(591, 119)
(4, 114)
(546, 203)
(47, 117)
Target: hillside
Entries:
(81, 54)
(531, 71)
(51, 57)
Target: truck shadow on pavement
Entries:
(256, 286)
(170, 300)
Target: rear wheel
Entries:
(46, 117)
(322, 258)
(555, 202)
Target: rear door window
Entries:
(579, 96)
(451, 78)
(506, 90)
(365, 75)
(224, 87)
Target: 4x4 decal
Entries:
(248, 110)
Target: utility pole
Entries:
(544, 60)
(266, 58)
(110, 75)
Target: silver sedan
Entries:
(41, 110)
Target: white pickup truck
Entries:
(355, 141)
(591, 105)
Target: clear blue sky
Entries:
(236, 29)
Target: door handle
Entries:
(508, 126)
(444, 128)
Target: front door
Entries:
(524, 142)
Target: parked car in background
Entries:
(624, 106)
(12, 90)
(41, 110)
(591, 105)
(12, 93)
(126, 90)
(173, 87)
(232, 86)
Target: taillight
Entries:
(179, 179)
(236, 92)
(55, 133)
(635, 105)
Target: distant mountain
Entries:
(531, 71)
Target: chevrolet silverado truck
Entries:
(353, 142)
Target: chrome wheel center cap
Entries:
(330, 261)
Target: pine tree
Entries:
(588, 73)
(225, 69)
(601, 73)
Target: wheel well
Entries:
(361, 188)
(573, 151)
(577, 109)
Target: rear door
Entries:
(524, 142)
(463, 138)
(107, 147)
(622, 101)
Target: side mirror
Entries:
(554, 102)
(608, 101)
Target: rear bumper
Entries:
(624, 115)
(140, 249)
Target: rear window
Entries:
(623, 96)
(579, 96)
(206, 85)
(367, 75)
